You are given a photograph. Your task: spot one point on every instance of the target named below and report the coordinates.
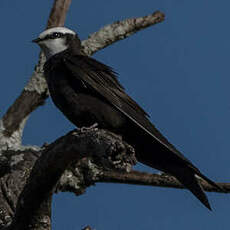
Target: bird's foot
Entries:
(163, 174)
(90, 128)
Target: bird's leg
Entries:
(90, 128)
(164, 174)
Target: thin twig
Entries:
(70, 182)
(164, 180)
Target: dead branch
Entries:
(71, 179)
(72, 163)
(58, 13)
(164, 180)
(30, 209)
(118, 31)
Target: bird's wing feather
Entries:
(103, 80)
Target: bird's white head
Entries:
(54, 40)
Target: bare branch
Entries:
(88, 157)
(88, 173)
(164, 180)
(119, 30)
(15, 166)
(58, 13)
(104, 146)
(36, 92)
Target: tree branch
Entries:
(58, 13)
(118, 31)
(90, 157)
(108, 150)
(88, 173)
(164, 180)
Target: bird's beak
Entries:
(37, 40)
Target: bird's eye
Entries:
(57, 35)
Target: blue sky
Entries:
(178, 71)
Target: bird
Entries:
(88, 92)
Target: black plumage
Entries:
(88, 92)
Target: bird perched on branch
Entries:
(88, 92)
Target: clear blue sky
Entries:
(178, 71)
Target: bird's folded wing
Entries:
(103, 80)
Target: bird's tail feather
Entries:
(191, 182)
(169, 161)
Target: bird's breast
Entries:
(81, 105)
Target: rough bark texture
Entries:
(81, 160)
(25, 203)
(118, 31)
(159, 180)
